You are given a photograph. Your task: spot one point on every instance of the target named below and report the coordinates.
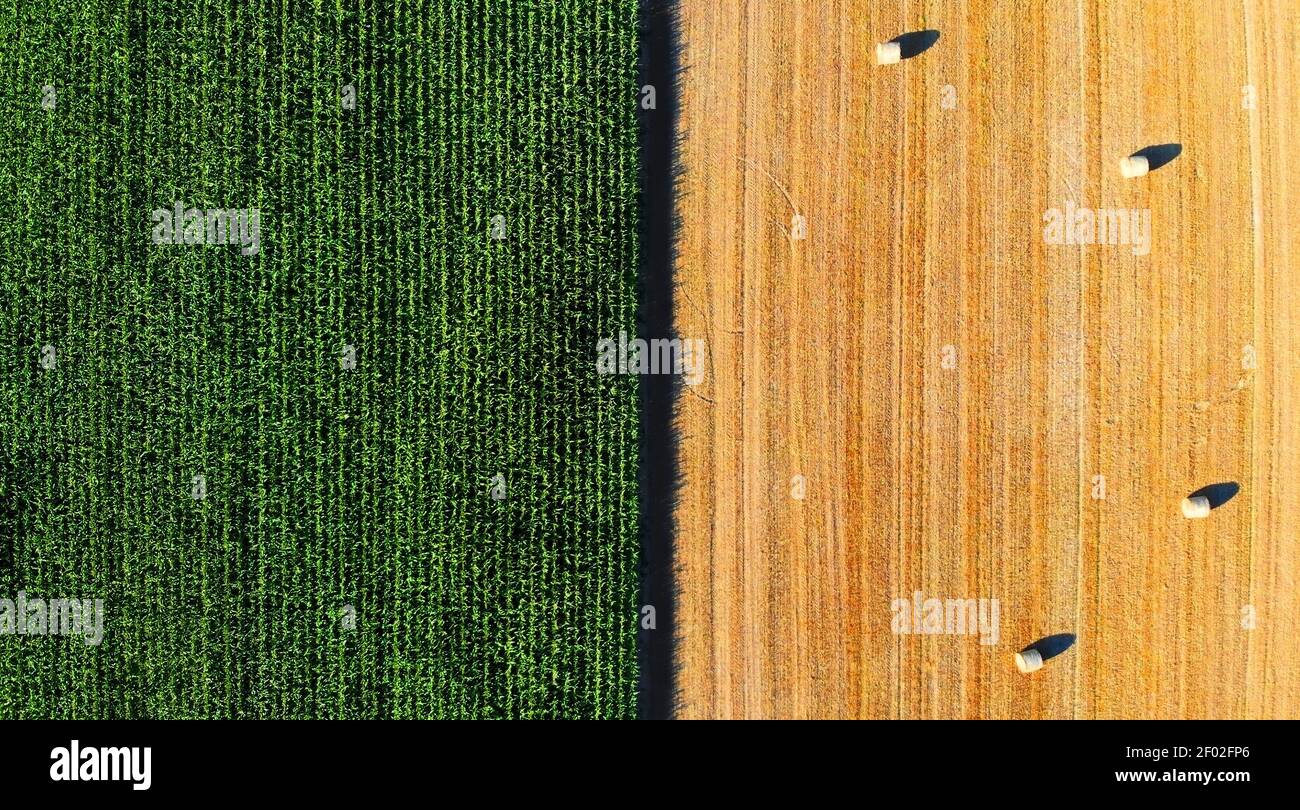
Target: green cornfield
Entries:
(368, 470)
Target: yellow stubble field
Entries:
(913, 387)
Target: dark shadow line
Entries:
(659, 66)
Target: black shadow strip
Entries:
(656, 699)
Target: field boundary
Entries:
(659, 231)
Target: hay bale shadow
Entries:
(1159, 155)
(1052, 646)
(914, 43)
(1218, 494)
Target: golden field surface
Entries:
(892, 336)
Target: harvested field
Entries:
(914, 389)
